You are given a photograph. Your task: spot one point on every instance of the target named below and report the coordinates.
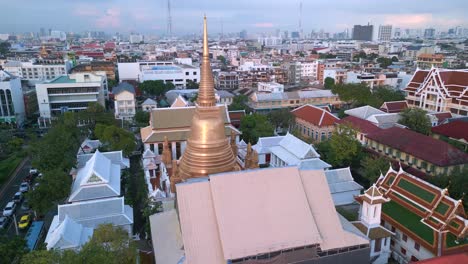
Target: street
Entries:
(8, 191)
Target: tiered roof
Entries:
(451, 83)
(423, 210)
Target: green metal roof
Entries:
(63, 79)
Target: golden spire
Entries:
(208, 150)
(206, 94)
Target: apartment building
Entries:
(12, 108)
(426, 61)
(38, 70)
(71, 92)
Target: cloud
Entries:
(86, 11)
(263, 25)
(408, 20)
(111, 19)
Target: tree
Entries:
(222, 59)
(384, 62)
(329, 82)
(456, 183)
(416, 119)
(12, 248)
(53, 188)
(282, 118)
(342, 149)
(387, 94)
(192, 85)
(359, 94)
(394, 59)
(156, 87)
(115, 138)
(4, 47)
(254, 126)
(239, 102)
(373, 166)
(108, 244)
(142, 118)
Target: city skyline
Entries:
(259, 16)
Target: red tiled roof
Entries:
(450, 259)
(423, 147)
(456, 129)
(394, 107)
(362, 125)
(315, 115)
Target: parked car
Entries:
(24, 187)
(25, 205)
(24, 222)
(4, 222)
(18, 197)
(35, 186)
(33, 171)
(9, 209)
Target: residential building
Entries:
(427, 222)
(439, 90)
(167, 71)
(369, 224)
(292, 151)
(418, 153)
(338, 75)
(265, 102)
(12, 109)
(124, 101)
(71, 92)
(38, 70)
(227, 80)
(148, 105)
(385, 32)
(270, 87)
(136, 38)
(342, 186)
(315, 234)
(369, 79)
(363, 32)
(314, 122)
(94, 66)
(426, 61)
(429, 33)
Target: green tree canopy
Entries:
(281, 118)
(192, 85)
(109, 244)
(359, 94)
(239, 102)
(372, 167)
(384, 62)
(254, 126)
(342, 149)
(115, 138)
(416, 119)
(142, 118)
(11, 248)
(328, 83)
(156, 87)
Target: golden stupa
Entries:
(208, 149)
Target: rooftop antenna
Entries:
(300, 17)
(169, 19)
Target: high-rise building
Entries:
(363, 32)
(385, 32)
(243, 34)
(429, 33)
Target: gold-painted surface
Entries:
(208, 150)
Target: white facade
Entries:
(385, 32)
(38, 71)
(136, 38)
(11, 99)
(124, 105)
(167, 71)
(309, 69)
(71, 93)
(270, 87)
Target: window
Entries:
(194, 73)
(414, 259)
(403, 251)
(416, 246)
(393, 229)
(187, 73)
(392, 243)
(405, 237)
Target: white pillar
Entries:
(146, 146)
(174, 151)
(156, 148)
(183, 145)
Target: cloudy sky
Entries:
(252, 15)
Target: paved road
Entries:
(8, 191)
